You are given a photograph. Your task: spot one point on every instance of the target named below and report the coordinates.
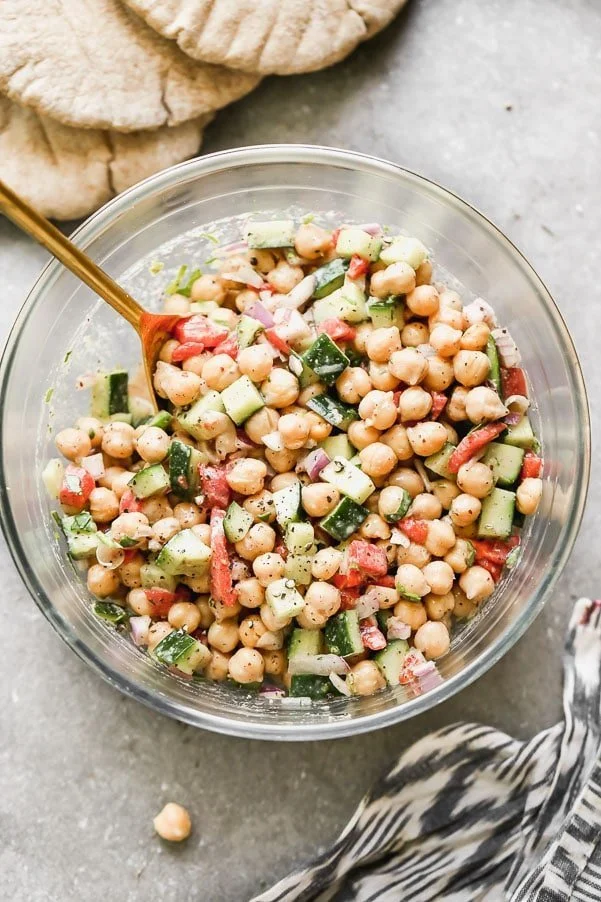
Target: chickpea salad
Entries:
(340, 472)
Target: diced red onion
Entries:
(367, 605)
(506, 347)
(271, 692)
(109, 557)
(397, 629)
(398, 537)
(427, 350)
(273, 441)
(512, 419)
(300, 294)
(318, 665)
(243, 441)
(427, 675)
(422, 472)
(94, 464)
(291, 325)
(259, 312)
(480, 311)
(341, 685)
(139, 629)
(295, 365)
(372, 228)
(272, 640)
(517, 404)
(229, 249)
(239, 571)
(245, 275)
(315, 462)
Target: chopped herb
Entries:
(67, 356)
(156, 267)
(72, 483)
(48, 395)
(308, 218)
(186, 289)
(210, 261)
(175, 283)
(513, 557)
(210, 237)
(112, 613)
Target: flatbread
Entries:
(268, 36)
(94, 64)
(69, 172)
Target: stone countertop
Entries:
(499, 102)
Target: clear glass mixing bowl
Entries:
(63, 331)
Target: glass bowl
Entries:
(63, 331)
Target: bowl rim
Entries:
(280, 154)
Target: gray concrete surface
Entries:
(500, 102)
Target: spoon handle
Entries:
(34, 224)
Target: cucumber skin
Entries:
(390, 660)
(495, 370)
(309, 686)
(323, 356)
(496, 517)
(329, 278)
(155, 473)
(241, 399)
(109, 394)
(333, 411)
(346, 517)
(342, 636)
(304, 642)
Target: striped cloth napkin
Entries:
(469, 813)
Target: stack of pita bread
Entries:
(98, 94)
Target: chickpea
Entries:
(425, 507)
(268, 567)
(176, 304)
(166, 352)
(414, 554)
(463, 609)
(360, 435)
(118, 440)
(475, 337)
(471, 367)
(129, 526)
(311, 391)
(438, 606)
(445, 491)
(452, 436)
(93, 429)
(183, 386)
(396, 438)
(323, 597)
(153, 444)
(221, 612)
(366, 678)
(381, 377)
(398, 278)
(440, 576)
(475, 478)
(465, 509)
(455, 409)
(206, 612)
(245, 299)
(410, 581)
(102, 582)
(445, 340)
(441, 537)
(280, 388)
(408, 479)
(408, 365)
(104, 505)
(173, 822)
(311, 619)
(319, 499)
(255, 362)
(157, 632)
(246, 666)
(219, 371)
(250, 630)
(165, 529)
(440, 374)
(217, 668)
(377, 459)
(446, 316)
(261, 423)
(73, 443)
(378, 409)
(319, 429)
(223, 635)
(270, 620)
(188, 514)
(477, 583)
(247, 476)
(275, 662)
(262, 260)
(427, 438)
(294, 430)
(374, 527)
(184, 615)
(381, 343)
(423, 273)
(483, 405)
(250, 593)
(528, 495)
(415, 403)
(326, 563)
(137, 600)
(259, 540)
(261, 506)
(284, 277)
(353, 384)
(391, 499)
(208, 288)
(129, 572)
(432, 639)
(389, 549)
(156, 509)
(312, 241)
(194, 365)
(461, 556)
(363, 332)
(282, 461)
(415, 334)
(413, 613)
(423, 300)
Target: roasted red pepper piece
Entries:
(439, 402)
(77, 487)
(368, 559)
(472, 443)
(337, 329)
(277, 341)
(229, 346)
(386, 582)
(532, 466)
(349, 598)
(513, 381)
(222, 587)
(214, 486)
(495, 570)
(372, 636)
(495, 551)
(200, 329)
(416, 530)
(129, 504)
(347, 580)
(160, 600)
(186, 350)
(357, 267)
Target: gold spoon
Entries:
(153, 329)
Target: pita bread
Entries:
(268, 36)
(94, 64)
(69, 172)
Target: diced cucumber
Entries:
(329, 278)
(183, 469)
(407, 595)
(383, 617)
(333, 411)
(162, 420)
(439, 462)
(355, 241)
(78, 523)
(520, 435)
(390, 660)
(403, 507)
(346, 303)
(247, 330)
(184, 555)
(153, 577)
(287, 503)
(344, 520)
(276, 233)
(241, 399)
(178, 649)
(82, 545)
(112, 613)
(496, 517)
(150, 481)
(505, 462)
(300, 538)
(383, 312)
(283, 598)
(306, 685)
(304, 642)
(326, 359)
(338, 446)
(191, 420)
(349, 480)
(121, 418)
(236, 522)
(303, 373)
(405, 250)
(342, 634)
(141, 410)
(494, 373)
(109, 394)
(298, 568)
